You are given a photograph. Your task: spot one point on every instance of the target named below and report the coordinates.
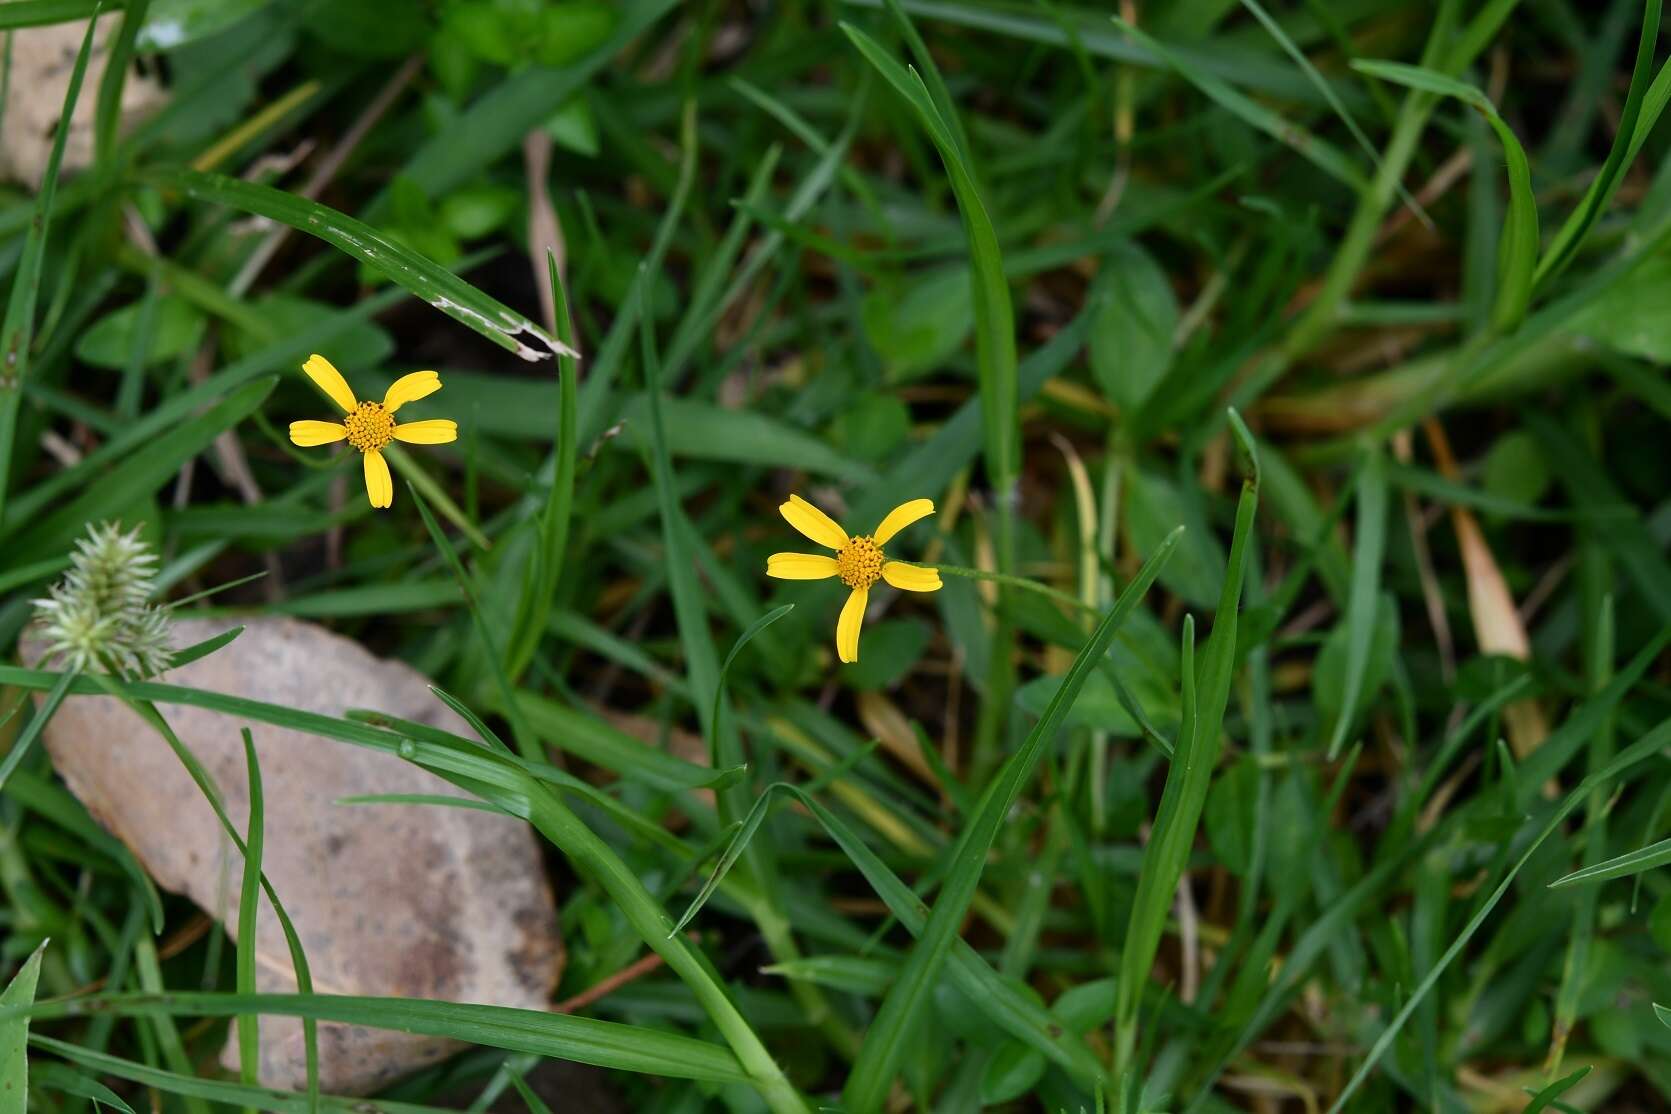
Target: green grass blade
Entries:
(1644, 748)
(585, 1040)
(18, 328)
(1319, 152)
(227, 1094)
(1571, 236)
(547, 565)
(422, 276)
(37, 723)
(888, 1034)
(1369, 550)
(1622, 866)
(1190, 774)
(140, 476)
(249, 908)
(14, 1035)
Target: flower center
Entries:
(859, 562)
(370, 427)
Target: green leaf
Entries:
(1153, 507)
(1131, 338)
(170, 24)
(176, 328)
(702, 431)
(14, 1035)
(892, 648)
(249, 909)
(917, 324)
(1517, 247)
(1013, 1071)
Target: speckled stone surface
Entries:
(416, 901)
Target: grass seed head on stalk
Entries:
(99, 615)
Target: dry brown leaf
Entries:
(1497, 625)
(420, 901)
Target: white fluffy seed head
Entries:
(99, 616)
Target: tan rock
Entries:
(419, 901)
(43, 61)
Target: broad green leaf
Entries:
(176, 327)
(1131, 337)
(14, 1035)
(917, 323)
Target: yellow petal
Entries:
(330, 380)
(308, 434)
(847, 627)
(410, 388)
(800, 566)
(380, 488)
(813, 522)
(911, 578)
(901, 517)
(433, 431)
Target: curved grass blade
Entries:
(889, 1031)
(586, 1040)
(1517, 248)
(1319, 152)
(1572, 233)
(53, 1076)
(1632, 862)
(420, 275)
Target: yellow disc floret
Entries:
(859, 562)
(370, 427)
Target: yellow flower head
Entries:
(859, 561)
(369, 426)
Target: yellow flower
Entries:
(371, 425)
(859, 561)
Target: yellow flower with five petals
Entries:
(369, 426)
(859, 561)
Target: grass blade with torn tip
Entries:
(249, 909)
(1361, 601)
(894, 1022)
(1189, 775)
(585, 1040)
(14, 1035)
(18, 329)
(422, 276)
(1517, 247)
